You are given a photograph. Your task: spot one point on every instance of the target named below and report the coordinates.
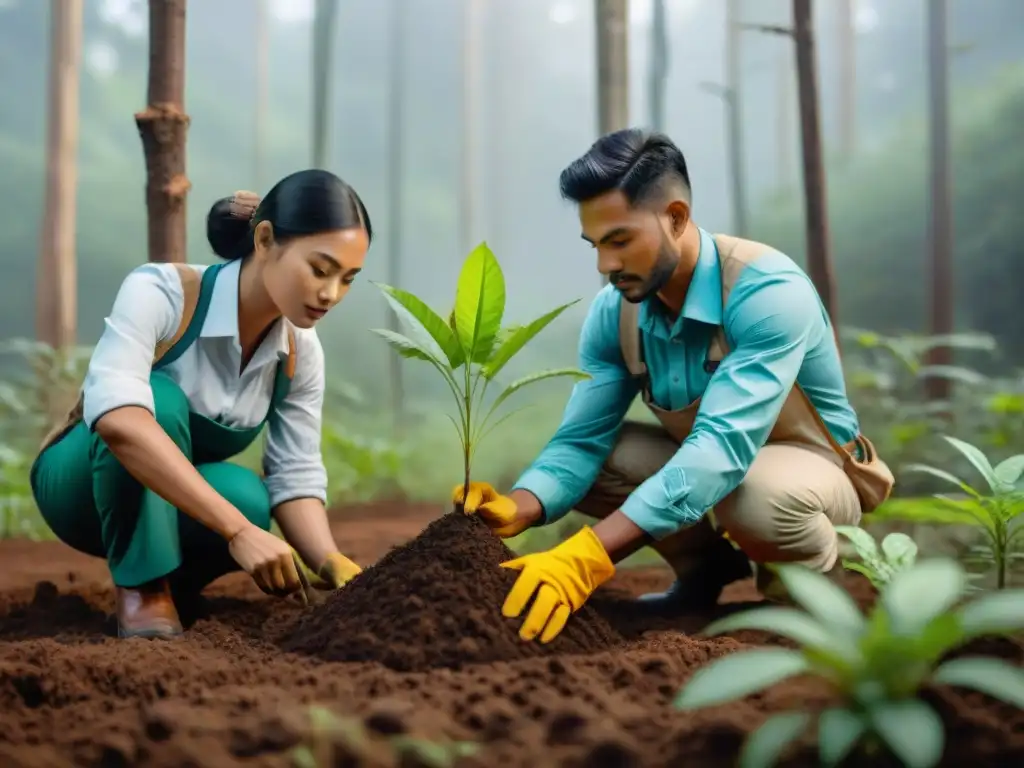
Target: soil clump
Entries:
(436, 602)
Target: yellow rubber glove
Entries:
(336, 571)
(499, 512)
(563, 578)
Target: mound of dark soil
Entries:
(436, 602)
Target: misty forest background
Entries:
(535, 111)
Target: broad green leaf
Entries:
(518, 339)
(871, 574)
(787, 622)
(912, 731)
(942, 475)
(1010, 470)
(952, 373)
(917, 595)
(899, 549)
(518, 384)
(738, 675)
(990, 676)
(765, 746)
(939, 637)
(479, 303)
(838, 731)
(862, 541)
(939, 511)
(993, 613)
(822, 598)
(978, 459)
(417, 310)
(405, 346)
(303, 757)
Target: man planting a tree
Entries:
(729, 346)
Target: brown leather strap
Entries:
(629, 338)
(190, 282)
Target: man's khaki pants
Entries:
(784, 510)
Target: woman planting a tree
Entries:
(192, 363)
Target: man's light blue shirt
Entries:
(778, 333)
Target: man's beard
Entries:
(635, 292)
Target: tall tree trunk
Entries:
(611, 22)
(659, 65)
(734, 116)
(259, 123)
(396, 168)
(163, 127)
(325, 13)
(612, 26)
(472, 65)
(785, 120)
(56, 280)
(847, 79)
(819, 260)
(941, 207)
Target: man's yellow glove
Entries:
(499, 512)
(563, 578)
(336, 572)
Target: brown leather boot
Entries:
(147, 611)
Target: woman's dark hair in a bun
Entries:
(304, 203)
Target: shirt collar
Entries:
(703, 301)
(222, 316)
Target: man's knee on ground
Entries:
(243, 489)
(778, 524)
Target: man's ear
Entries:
(678, 212)
(263, 237)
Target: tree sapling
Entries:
(471, 348)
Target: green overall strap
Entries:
(195, 326)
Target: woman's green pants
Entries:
(95, 506)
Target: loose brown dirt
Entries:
(414, 648)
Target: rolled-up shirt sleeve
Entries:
(293, 465)
(147, 310)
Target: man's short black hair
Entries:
(642, 164)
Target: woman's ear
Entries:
(263, 237)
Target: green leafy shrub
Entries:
(876, 665)
(997, 514)
(878, 563)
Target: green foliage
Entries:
(329, 731)
(879, 564)
(998, 513)
(469, 341)
(877, 665)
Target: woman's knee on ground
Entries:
(242, 488)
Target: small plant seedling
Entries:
(471, 348)
(999, 514)
(877, 664)
(879, 563)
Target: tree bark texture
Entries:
(56, 275)
(612, 26)
(163, 127)
(734, 117)
(940, 213)
(819, 260)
